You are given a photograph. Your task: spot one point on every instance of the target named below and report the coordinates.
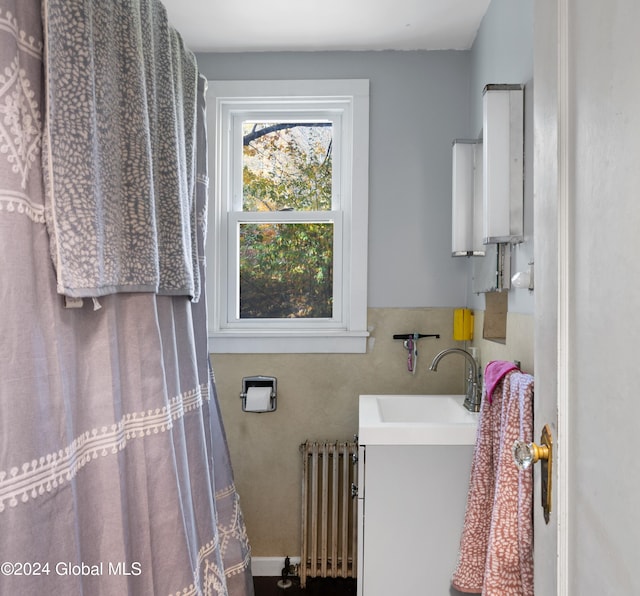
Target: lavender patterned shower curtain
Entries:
(114, 470)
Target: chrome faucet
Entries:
(474, 387)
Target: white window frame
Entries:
(346, 103)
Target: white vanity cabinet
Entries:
(411, 504)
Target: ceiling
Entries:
(315, 25)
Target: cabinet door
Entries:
(414, 510)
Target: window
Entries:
(287, 252)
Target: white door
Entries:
(546, 212)
(587, 258)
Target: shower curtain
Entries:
(115, 476)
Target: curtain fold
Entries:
(115, 476)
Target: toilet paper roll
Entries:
(258, 399)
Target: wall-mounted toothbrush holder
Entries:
(411, 345)
(259, 394)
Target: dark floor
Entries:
(268, 586)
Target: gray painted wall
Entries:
(503, 53)
(419, 104)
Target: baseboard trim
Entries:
(270, 566)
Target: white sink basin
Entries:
(415, 420)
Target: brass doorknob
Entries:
(525, 454)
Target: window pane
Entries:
(286, 166)
(286, 270)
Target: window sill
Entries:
(288, 342)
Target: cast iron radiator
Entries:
(329, 510)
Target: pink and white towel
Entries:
(496, 548)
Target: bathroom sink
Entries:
(415, 420)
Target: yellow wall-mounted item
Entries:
(462, 324)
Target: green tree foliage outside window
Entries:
(286, 269)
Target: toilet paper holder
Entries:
(260, 381)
